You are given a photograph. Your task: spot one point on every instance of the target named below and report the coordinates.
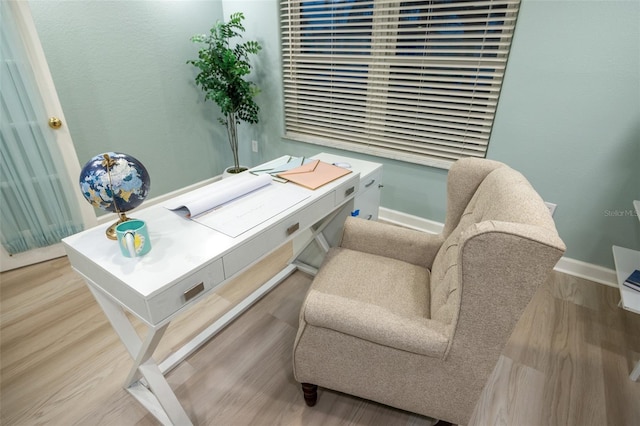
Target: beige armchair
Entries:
(417, 321)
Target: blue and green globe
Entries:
(128, 184)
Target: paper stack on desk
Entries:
(216, 194)
(237, 204)
(315, 174)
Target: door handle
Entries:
(55, 123)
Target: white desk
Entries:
(187, 261)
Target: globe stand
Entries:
(111, 231)
(108, 163)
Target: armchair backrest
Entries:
(462, 182)
(500, 244)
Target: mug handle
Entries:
(129, 238)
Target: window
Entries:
(416, 81)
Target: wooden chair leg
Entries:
(310, 393)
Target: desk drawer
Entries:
(370, 181)
(278, 234)
(186, 291)
(347, 189)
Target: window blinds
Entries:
(416, 81)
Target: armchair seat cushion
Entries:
(386, 302)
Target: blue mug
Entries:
(133, 238)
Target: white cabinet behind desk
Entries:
(367, 200)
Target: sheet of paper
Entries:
(244, 213)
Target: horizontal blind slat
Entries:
(354, 97)
(480, 122)
(423, 156)
(385, 6)
(433, 87)
(309, 71)
(430, 81)
(373, 130)
(458, 150)
(419, 110)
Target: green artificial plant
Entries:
(223, 69)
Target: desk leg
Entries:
(333, 223)
(158, 398)
(144, 353)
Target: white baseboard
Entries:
(409, 221)
(19, 260)
(588, 271)
(566, 265)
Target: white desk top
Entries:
(179, 246)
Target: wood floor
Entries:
(567, 362)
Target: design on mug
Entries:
(138, 242)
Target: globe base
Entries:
(111, 231)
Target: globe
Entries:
(118, 185)
(114, 182)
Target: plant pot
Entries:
(230, 172)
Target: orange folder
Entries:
(315, 174)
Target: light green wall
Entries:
(569, 116)
(568, 119)
(120, 71)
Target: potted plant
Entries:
(223, 69)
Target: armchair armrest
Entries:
(408, 245)
(373, 323)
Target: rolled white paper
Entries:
(218, 193)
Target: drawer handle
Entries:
(370, 183)
(349, 191)
(293, 228)
(193, 291)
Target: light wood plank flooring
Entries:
(567, 362)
